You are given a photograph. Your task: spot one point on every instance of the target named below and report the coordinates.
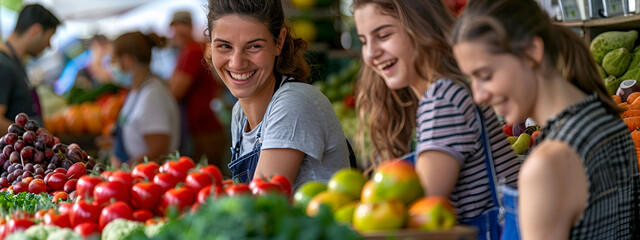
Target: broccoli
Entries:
(19, 236)
(41, 231)
(153, 230)
(122, 229)
(65, 233)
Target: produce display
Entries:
(617, 58)
(393, 199)
(522, 135)
(89, 117)
(35, 161)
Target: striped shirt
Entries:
(447, 123)
(609, 157)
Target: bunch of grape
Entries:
(31, 151)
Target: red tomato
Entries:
(214, 172)
(105, 191)
(114, 211)
(60, 220)
(20, 187)
(187, 162)
(264, 188)
(146, 171)
(123, 177)
(57, 181)
(228, 182)
(205, 192)
(4, 230)
(176, 169)
(141, 215)
(283, 182)
(165, 180)
(178, 197)
(146, 195)
(77, 170)
(106, 174)
(65, 208)
(255, 182)
(82, 212)
(37, 186)
(70, 186)
(86, 185)
(238, 189)
(19, 224)
(197, 181)
(88, 229)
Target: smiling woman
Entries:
(280, 124)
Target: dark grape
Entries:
(99, 168)
(47, 172)
(39, 171)
(31, 125)
(38, 157)
(85, 156)
(75, 155)
(66, 164)
(2, 143)
(18, 172)
(7, 164)
(40, 145)
(15, 129)
(27, 174)
(11, 168)
(19, 166)
(59, 148)
(90, 162)
(48, 154)
(46, 138)
(56, 140)
(15, 157)
(56, 160)
(29, 137)
(51, 166)
(19, 145)
(27, 154)
(11, 177)
(74, 145)
(29, 167)
(19, 178)
(21, 119)
(3, 159)
(10, 138)
(7, 150)
(4, 174)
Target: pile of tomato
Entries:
(145, 194)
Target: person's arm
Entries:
(4, 122)
(438, 172)
(279, 161)
(157, 145)
(553, 192)
(180, 84)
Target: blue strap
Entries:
(488, 160)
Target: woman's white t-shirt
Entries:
(152, 109)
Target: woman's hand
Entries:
(280, 161)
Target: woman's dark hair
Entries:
(138, 45)
(291, 61)
(35, 13)
(509, 26)
(388, 114)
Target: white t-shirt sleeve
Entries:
(294, 121)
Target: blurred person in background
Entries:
(194, 86)
(34, 28)
(96, 73)
(148, 123)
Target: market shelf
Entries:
(591, 28)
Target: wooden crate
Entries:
(456, 233)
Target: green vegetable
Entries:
(263, 217)
(41, 231)
(64, 234)
(79, 95)
(26, 202)
(612, 83)
(609, 41)
(616, 62)
(20, 236)
(123, 229)
(153, 230)
(603, 74)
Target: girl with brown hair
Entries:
(581, 179)
(280, 124)
(411, 80)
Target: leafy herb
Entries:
(24, 202)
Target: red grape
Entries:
(21, 119)
(19, 145)
(31, 125)
(29, 137)
(10, 138)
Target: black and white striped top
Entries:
(447, 123)
(604, 143)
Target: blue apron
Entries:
(243, 167)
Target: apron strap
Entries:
(488, 160)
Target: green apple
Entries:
(345, 213)
(431, 214)
(348, 181)
(385, 215)
(303, 195)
